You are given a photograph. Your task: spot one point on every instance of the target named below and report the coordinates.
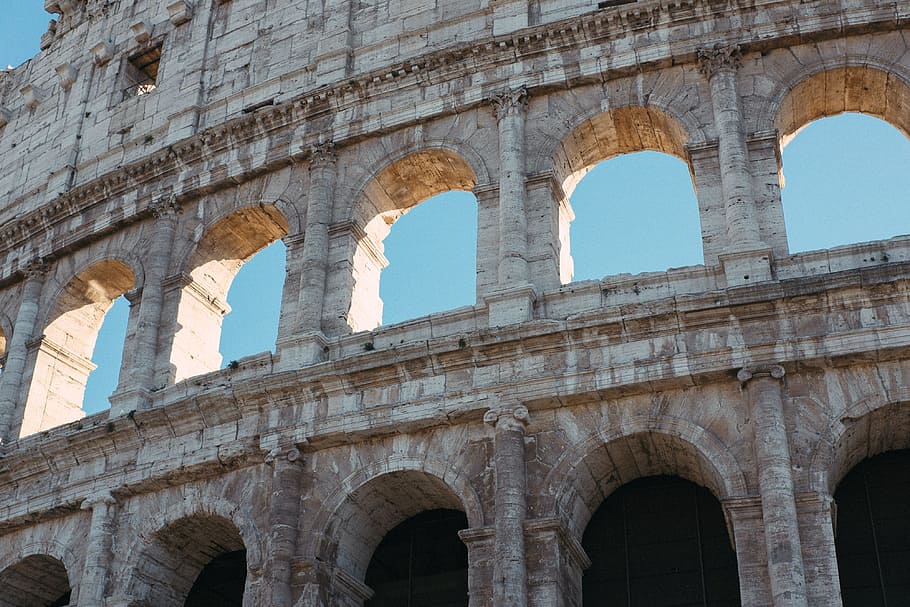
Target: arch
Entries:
(404, 181)
(222, 247)
(869, 427)
(823, 91)
(63, 360)
(202, 505)
(622, 130)
(171, 559)
(588, 472)
(373, 500)
(37, 580)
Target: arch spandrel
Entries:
(590, 470)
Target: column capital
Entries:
(36, 268)
(509, 417)
(105, 498)
(164, 206)
(750, 371)
(718, 58)
(509, 101)
(283, 453)
(323, 155)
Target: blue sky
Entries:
(847, 181)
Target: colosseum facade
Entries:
(687, 437)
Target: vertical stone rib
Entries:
(510, 585)
(772, 455)
(23, 332)
(137, 378)
(98, 550)
(284, 509)
(719, 65)
(316, 238)
(510, 107)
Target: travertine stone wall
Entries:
(761, 375)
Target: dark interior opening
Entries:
(421, 562)
(660, 541)
(220, 583)
(62, 601)
(873, 532)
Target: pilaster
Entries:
(510, 578)
(95, 572)
(17, 351)
(772, 457)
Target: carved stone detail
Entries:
(718, 58)
(509, 101)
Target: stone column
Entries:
(98, 551)
(136, 384)
(23, 332)
(284, 510)
(510, 578)
(719, 65)
(316, 240)
(775, 480)
(510, 107)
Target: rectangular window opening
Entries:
(141, 71)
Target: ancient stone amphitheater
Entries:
(698, 436)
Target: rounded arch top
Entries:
(36, 575)
(229, 241)
(821, 91)
(593, 468)
(869, 427)
(606, 134)
(375, 499)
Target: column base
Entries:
(124, 402)
(510, 306)
(743, 268)
(301, 351)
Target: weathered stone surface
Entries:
(321, 123)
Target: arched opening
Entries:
(254, 300)
(372, 511)
(635, 213)
(637, 190)
(432, 258)
(394, 191)
(837, 193)
(846, 174)
(35, 581)
(212, 266)
(63, 358)
(198, 561)
(108, 357)
(873, 531)
(660, 541)
(423, 562)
